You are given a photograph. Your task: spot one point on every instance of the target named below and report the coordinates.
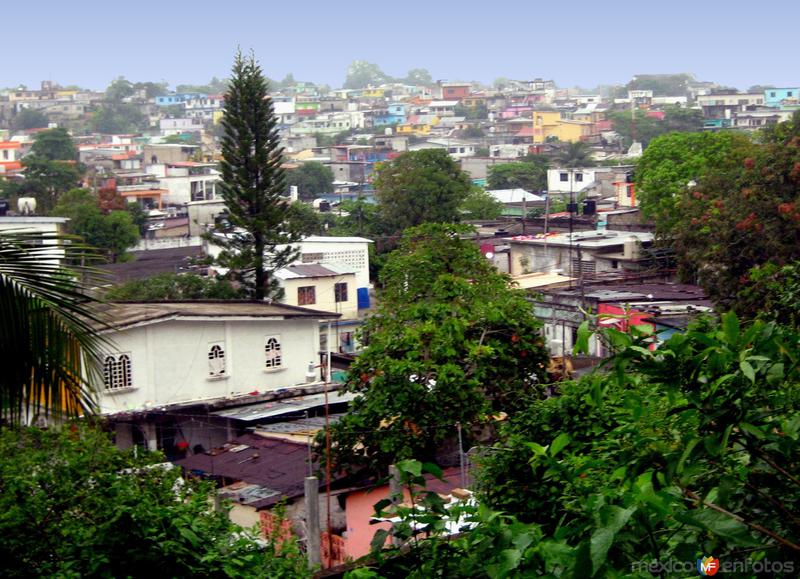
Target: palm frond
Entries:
(49, 340)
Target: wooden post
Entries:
(395, 494)
(312, 521)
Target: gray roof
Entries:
(125, 314)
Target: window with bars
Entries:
(216, 359)
(306, 295)
(340, 292)
(272, 350)
(117, 371)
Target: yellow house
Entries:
(376, 93)
(551, 124)
(571, 131)
(419, 125)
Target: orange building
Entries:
(9, 158)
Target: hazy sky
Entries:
(90, 42)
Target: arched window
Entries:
(216, 359)
(272, 349)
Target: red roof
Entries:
(10, 145)
(526, 131)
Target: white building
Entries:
(173, 354)
(204, 106)
(352, 252)
(186, 181)
(327, 287)
(583, 253)
(572, 179)
(177, 126)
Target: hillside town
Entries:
(451, 270)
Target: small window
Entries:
(772, 94)
(579, 177)
(272, 350)
(789, 93)
(307, 295)
(564, 177)
(216, 359)
(340, 292)
(117, 372)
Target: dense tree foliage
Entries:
(673, 161)
(75, 506)
(419, 187)
(116, 118)
(214, 86)
(112, 233)
(55, 145)
(575, 154)
(481, 205)
(361, 74)
(450, 342)
(311, 179)
(29, 119)
(743, 217)
(253, 184)
(645, 128)
(45, 180)
(174, 287)
(529, 175)
(670, 456)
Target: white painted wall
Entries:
(169, 360)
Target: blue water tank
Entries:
(363, 298)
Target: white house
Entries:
(186, 181)
(168, 355)
(329, 287)
(568, 180)
(178, 126)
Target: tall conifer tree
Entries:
(253, 184)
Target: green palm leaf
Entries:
(49, 340)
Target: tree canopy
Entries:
(641, 470)
(74, 505)
(112, 233)
(647, 128)
(29, 119)
(361, 74)
(174, 287)
(118, 117)
(481, 205)
(450, 342)
(419, 187)
(529, 175)
(55, 145)
(741, 216)
(674, 160)
(312, 178)
(45, 180)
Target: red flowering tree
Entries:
(742, 217)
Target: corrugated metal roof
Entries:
(277, 408)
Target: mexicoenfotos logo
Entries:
(708, 566)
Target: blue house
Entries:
(395, 114)
(774, 97)
(177, 98)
